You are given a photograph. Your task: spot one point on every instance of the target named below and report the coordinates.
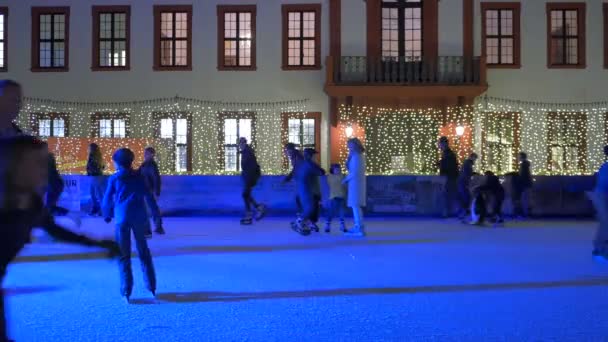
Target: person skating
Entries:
(149, 170)
(491, 191)
(337, 195)
(23, 177)
(305, 173)
(309, 154)
(250, 175)
(448, 169)
(95, 167)
(357, 185)
(287, 151)
(464, 184)
(523, 187)
(599, 198)
(125, 200)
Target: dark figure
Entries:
(250, 175)
(23, 173)
(337, 197)
(149, 170)
(125, 200)
(464, 183)
(493, 193)
(309, 154)
(305, 173)
(522, 188)
(600, 201)
(95, 169)
(55, 188)
(287, 151)
(448, 169)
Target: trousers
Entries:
(123, 238)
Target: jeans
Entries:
(336, 208)
(98, 189)
(247, 197)
(448, 198)
(123, 238)
(600, 242)
(464, 195)
(521, 202)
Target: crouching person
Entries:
(125, 200)
(490, 192)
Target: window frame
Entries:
(221, 53)
(37, 11)
(581, 17)
(285, 117)
(158, 10)
(605, 11)
(221, 138)
(515, 117)
(583, 144)
(4, 12)
(158, 116)
(95, 118)
(96, 11)
(35, 122)
(401, 29)
(502, 6)
(300, 8)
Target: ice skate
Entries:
(301, 228)
(328, 227)
(160, 230)
(260, 212)
(148, 234)
(247, 219)
(127, 299)
(314, 227)
(342, 226)
(356, 231)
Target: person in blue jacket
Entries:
(305, 173)
(125, 200)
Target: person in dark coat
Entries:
(599, 198)
(23, 177)
(305, 174)
(448, 169)
(523, 187)
(309, 154)
(250, 175)
(125, 201)
(95, 167)
(149, 170)
(464, 183)
(289, 149)
(494, 194)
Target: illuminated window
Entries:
(3, 32)
(501, 33)
(111, 46)
(50, 32)
(173, 42)
(110, 125)
(233, 128)
(237, 37)
(302, 35)
(566, 34)
(402, 29)
(50, 125)
(176, 129)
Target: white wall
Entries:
(269, 83)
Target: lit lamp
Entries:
(459, 131)
(349, 131)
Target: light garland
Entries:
(403, 140)
(205, 126)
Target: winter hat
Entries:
(123, 157)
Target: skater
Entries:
(464, 183)
(250, 175)
(288, 150)
(599, 198)
(23, 176)
(491, 191)
(55, 189)
(337, 195)
(305, 174)
(357, 185)
(125, 200)
(448, 169)
(149, 170)
(95, 167)
(523, 187)
(309, 154)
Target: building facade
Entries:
(190, 77)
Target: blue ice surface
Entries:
(409, 280)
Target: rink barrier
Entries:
(552, 196)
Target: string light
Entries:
(560, 139)
(206, 127)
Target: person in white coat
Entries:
(357, 185)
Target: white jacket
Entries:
(357, 184)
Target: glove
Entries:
(107, 219)
(111, 247)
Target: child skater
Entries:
(125, 200)
(149, 170)
(305, 174)
(337, 195)
(23, 177)
(309, 154)
(95, 169)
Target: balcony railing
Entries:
(444, 70)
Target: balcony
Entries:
(446, 76)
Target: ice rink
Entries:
(409, 280)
